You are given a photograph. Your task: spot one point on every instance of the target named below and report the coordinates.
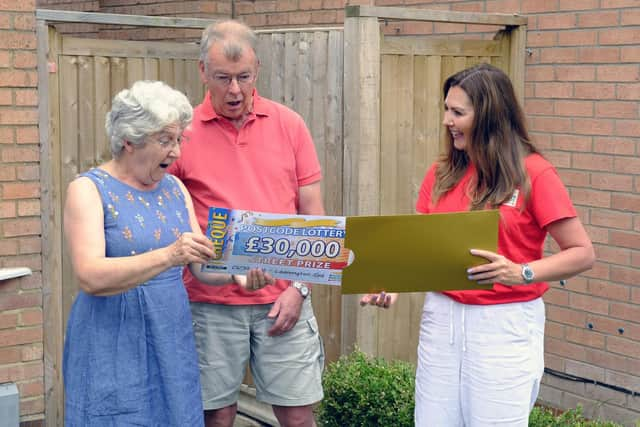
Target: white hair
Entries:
(146, 108)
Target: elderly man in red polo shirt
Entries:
(248, 152)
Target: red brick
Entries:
(11, 337)
(464, 7)
(613, 255)
(20, 227)
(553, 90)
(18, 117)
(606, 360)
(598, 18)
(628, 165)
(626, 239)
(559, 159)
(255, 20)
(574, 178)
(556, 21)
(539, 107)
(565, 315)
(573, 108)
(7, 135)
(558, 55)
(5, 22)
(28, 172)
(18, 6)
(30, 245)
(20, 190)
(619, 36)
(27, 97)
(629, 91)
(262, 6)
(31, 406)
(624, 311)
(29, 207)
(244, 7)
(584, 337)
(27, 135)
(277, 19)
(550, 124)
(572, 143)
(591, 161)
(31, 388)
(629, 53)
(589, 303)
(8, 320)
(567, 350)
(541, 39)
(9, 355)
(598, 55)
(34, 262)
(324, 17)
(31, 317)
(542, 141)
(593, 126)
(612, 219)
(612, 145)
(300, 18)
(534, 6)
(627, 128)
(31, 352)
(8, 247)
(7, 210)
(618, 109)
(618, 73)
(18, 78)
(6, 97)
(334, 4)
(7, 173)
(20, 154)
(557, 296)
(567, 73)
(17, 40)
(608, 290)
(597, 234)
(594, 91)
(24, 21)
(32, 282)
(623, 346)
(577, 38)
(539, 73)
(612, 182)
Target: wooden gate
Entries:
(393, 132)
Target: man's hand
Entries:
(286, 311)
(382, 299)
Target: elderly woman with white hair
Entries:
(129, 355)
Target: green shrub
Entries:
(364, 391)
(544, 417)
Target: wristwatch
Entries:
(302, 288)
(527, 274)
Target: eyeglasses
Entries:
(168, 142)
(224, 80)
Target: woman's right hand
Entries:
(190, 248)
(383, 299)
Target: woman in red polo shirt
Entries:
(480, 354)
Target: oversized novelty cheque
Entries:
(400, 253)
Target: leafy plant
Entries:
(365, 391)
(545, 417)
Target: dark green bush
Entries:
(364, 391)
(544, 417)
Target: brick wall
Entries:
(20, 244)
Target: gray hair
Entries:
(234, 35)
(146, 108)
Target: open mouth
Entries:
(164, 165)
(234, 103)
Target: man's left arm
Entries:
(310, 200)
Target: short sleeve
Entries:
(307, 164)
(423, 205)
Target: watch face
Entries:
(304, 291)
(527, 272)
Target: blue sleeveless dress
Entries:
(130, 359)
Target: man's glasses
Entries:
(224, 80)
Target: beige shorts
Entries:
(286, 369)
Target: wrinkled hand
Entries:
(499, 269)
(286, 311)
(383, 299)
(254, 280)
(190, 247)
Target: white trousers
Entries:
(478, 365)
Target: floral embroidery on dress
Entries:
(127, 233)
(157, 233)
(166, 193)
(176, 192)
(160, 201)
(140, 219)
(129, 196)
(143, 201)
(176, 232)
(161, 217)
(179, 216)
(114, 197)
(112, 210)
